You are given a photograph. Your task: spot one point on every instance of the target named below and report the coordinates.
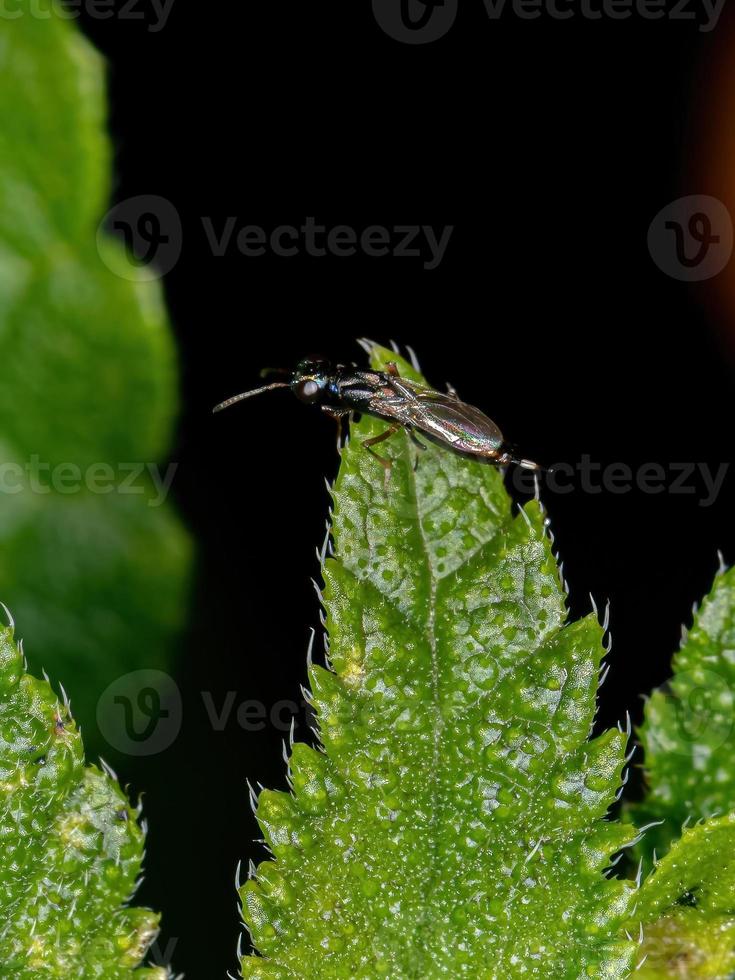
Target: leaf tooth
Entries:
(366, 344)
(639, 874)
(318, 591)
(722, 567)
(641, 833)
(65, 698)
(238, 870)
(321, 554)
(108, 770)
(394, 347)
(606, 619)
(628, 726)
(310, 649)
(537, 498)
(253, 797)
(604, 671)
(9, 616)
(414, 359)
(640, 964)
(252, 870)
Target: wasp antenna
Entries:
(248, 394)
(284, 372)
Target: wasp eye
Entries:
(308, 391)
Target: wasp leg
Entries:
(419, 445)
(337, 414)
(373, 441)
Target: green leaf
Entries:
(687, 906)
(89, 383)
(72, 845)
(453, 824)
(688, 733)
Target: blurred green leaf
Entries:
(72, 846)
(688, 733)
(89, 380)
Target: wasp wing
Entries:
(443, 418)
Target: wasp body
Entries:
(442, 418)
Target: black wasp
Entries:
(444, 419)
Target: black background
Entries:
(549, 146)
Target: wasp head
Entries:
(310, 380)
